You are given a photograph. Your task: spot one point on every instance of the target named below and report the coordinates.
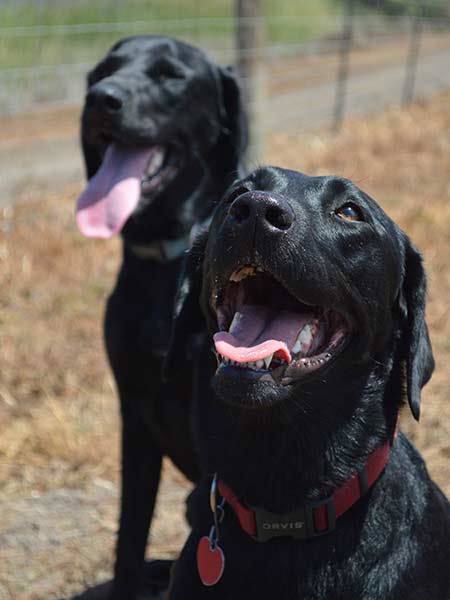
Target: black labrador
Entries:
(162, 132)
(316, 303)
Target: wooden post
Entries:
(249, 45)
(413, 57)
(344, 65)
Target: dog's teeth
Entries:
(242, 273)
(304, 339)
(156, 162)
(267, 361)
(297, 347)
(250, 365)
(306, 335)
(255, 365)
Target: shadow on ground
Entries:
(156, 578)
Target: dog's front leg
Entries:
(141, 468)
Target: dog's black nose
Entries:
(106, 96)
(272, 210)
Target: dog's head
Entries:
(306, 286)
(154, 112)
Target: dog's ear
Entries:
(188, 319)
(416, 344)
(232, 110)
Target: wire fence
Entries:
(298, 72)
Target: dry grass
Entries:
(58, 413)
(56, 395)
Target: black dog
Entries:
(162, 130)
(316, 300)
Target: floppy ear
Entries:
(188, 318)
(232, 110)
(416, 340)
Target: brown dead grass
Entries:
(58, 412)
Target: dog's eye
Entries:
(350, 212)
(160, 77)
(163, 70)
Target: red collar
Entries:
(313, 519)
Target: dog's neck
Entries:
(298, 452)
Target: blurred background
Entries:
(359, 88)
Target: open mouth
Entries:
(265, 329)
(125, 174)
(162, 164)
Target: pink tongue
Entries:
(257, 332)
(113, 193)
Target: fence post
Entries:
(344, 64)
(249, 44)
(413, 57)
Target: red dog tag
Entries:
(210, 561)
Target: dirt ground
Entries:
(58, 413)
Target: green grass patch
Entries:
(53, 32)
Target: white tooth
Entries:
(260, 364)
(297, 347)
(304, 338)
(268, 360)
(156, 161)
(242, 273)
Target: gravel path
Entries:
(51, 542)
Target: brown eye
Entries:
(350, 212)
